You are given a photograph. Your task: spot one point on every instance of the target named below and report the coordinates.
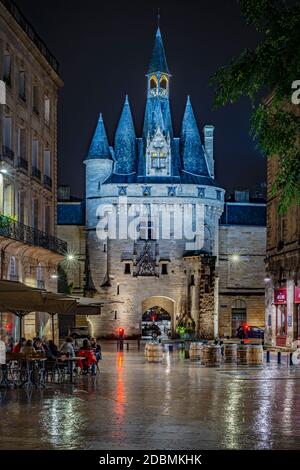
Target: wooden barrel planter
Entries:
(255, 355)
(154, 352)
(230, 353)
(242, 354)
(211, 355)
(195, 351)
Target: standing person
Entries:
(95, 345)
(67, 347)
(90, 359)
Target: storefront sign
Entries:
(269, 320)
(290, 320)
(280, 296)
(297, 295)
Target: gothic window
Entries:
(153, 83)
(164, 82)
(201, 192)
(122, 190)
(192, 280)
(158, 160)
(146, 191)
(171, 190)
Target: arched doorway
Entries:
(157, 317)
(238, 316)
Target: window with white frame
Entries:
(47, 109)
(35, 153)
(47, 163)
(7, 131)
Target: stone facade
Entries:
(241, 270)
(282, 268)
(30, 251)
(163, 174)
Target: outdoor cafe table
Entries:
(30, 379)
(70, 361)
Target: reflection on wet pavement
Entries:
(175, 405)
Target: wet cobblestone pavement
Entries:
(175, 405)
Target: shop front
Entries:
(280, 302)
(297, 314)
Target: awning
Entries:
(21, 300)
(17, 297)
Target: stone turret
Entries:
(192, 152)
(98, 161)
(125, 143)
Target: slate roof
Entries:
(99, 147)
(71, 213)
(244, 214)
(158, 62)
(125, 142)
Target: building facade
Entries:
(157, 176)
(241, 264)
(282, 270)
(29, 249)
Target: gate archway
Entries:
(158, 312)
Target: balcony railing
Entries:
(35, 172)
(8, 153)
(47, 181)
(23, 163)
(29, 30)
(10, 228)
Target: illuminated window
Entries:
(164, 82)
(153, 83)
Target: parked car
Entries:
(151, 330)
(246, 331)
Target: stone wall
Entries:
(243, 279)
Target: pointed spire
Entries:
(158, 61)
(191, 147)
(125, 142)
(99, 147)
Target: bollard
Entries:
(279, 357)
(268, 356)
(291, 359)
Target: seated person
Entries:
(19, 345)
(52, 351)
(67, 348)
(90, 359)
(28, 349)
(38, 346)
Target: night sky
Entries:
(104, 49)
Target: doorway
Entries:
(238, 316)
